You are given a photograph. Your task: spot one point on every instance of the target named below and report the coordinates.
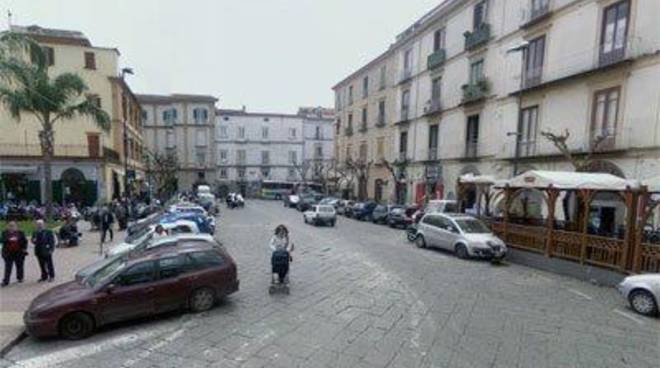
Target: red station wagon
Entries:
(193, 276)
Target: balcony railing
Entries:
(240, 162)
(406, 75)
(432, 106)
(436, 59)
(433, 154)
(471, 149)
(536, 14)
(402, 156)
(348, 131)
(405, 115)
(479, 36)
(380, 122)
(475, 91)
(363, 128)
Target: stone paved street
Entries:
(362, 296)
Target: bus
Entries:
(271, 189)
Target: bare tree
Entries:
(302, 168)
(579, 162)
(345, 171)
(162, 170)
(361, 170)
(395, 168)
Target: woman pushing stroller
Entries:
(282, 248)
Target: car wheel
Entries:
(420, 242)
(202, 300)
(76, 326)
(332, 223)
(643, 302)
(462, 252)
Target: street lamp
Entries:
(522, 48)
(127, 191)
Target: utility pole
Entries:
(127, 190)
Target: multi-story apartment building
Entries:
(183, 125)
(477, 81)
(318, 139)
(365, 106)
(89, 162)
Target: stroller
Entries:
(280, 267)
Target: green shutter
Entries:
(91, 193)
(57, 191)
(34, 191)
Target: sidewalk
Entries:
(15, 298)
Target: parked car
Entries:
(192, 277)
(343, 205)
(402, 217)
(138, 242)
(332, 201)
(642, 292)
(441, 205)
(320, 215)
(291, 200)
(462, 234)
(382, 213)
(205, 224)
(364, 212)
(306, 202)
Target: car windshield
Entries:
(473, 226)
(103, 273)
(325, 209)
(131, 239)
(451, 207)
(398, 211)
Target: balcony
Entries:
(241, 162)
(536, 15)
(380, 123)
(473, 92)
(402, 156)
(363, 128)
(405, 116)
(478, 37)
(436, 59)
(432, 154)
(406, 76)
(471, 149)
(348, 131)
(432, 107)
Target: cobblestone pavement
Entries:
(361, 296)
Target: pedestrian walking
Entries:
(14, 250)
(44, 245)
(106, 224)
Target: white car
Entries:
(642, 292)
(462, 234)
(320, 214)
(144, 237)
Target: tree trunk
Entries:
(46, 140)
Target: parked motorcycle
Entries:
(411, 232)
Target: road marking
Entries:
(153, 347)
(91, 348)
(577, 292)
(629, 316)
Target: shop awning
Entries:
(540, 179)
(18, 169)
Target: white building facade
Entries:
(318, 137)
(477, 81)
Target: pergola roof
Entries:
(540, 179)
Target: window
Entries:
(318, 151)
(383, 77)
(338, 100)
(241, 173)
(350, 121)
(614, 32)
(365, 87)
(140, 273)
(265, 172)
(534, 61)
(480, 13)
(200, 115)
(364, 117)
(223, 155)
(380, 147)
(476, 71)
(338, 126)
(206, 259)
(439, 40)
(292, 132)
(529, 121)
(381, 112)
(405, 104)
(241, 157)
(435, 89)
(472, 136)
(317, 133)
(50, 55)
(264, 132)
(170, 116)
(350, 95)
(363, 151)
(293, 159)
(169, 139)
(407, 62)
(349, 151)
(223, 132)
(265, 157)
(200, 138)
(223, 173)
(433, 137)
(292, 173)
(403, 144)
(200, 156)
(171, 267)
(241, 132)
(144, 116)
(605, 113)
(90, 60)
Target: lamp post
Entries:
(522, 48)
(127, 191)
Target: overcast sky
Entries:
(270, 55)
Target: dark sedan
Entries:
(365, 211)
(381, 213)
(402, 217)
(192, 277)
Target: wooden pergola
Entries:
(575, 240)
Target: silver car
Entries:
(320, 214)
(462, 234)
(642, 292)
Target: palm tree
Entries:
(27, 88)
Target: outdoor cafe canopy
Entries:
(566, 180)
